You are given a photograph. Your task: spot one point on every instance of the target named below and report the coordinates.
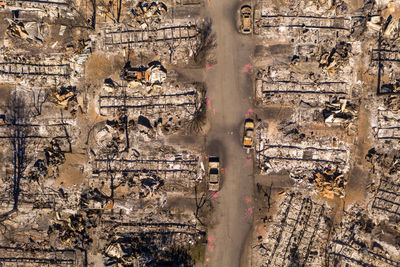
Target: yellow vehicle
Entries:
(248, 133)
(245, 19)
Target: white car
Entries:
(213, 173)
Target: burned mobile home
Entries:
(335, 135)
(89, 95)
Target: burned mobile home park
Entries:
(200, 133)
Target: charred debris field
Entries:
(107, 122)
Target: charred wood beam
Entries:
(301, 83)
(37, 249)
(33, 73)
(36, 125)
(192, 162)
(43, 2)
(361, 249)
(282, 228)
(143, 171)
(37, 260)
(307, 17)
(310, 243)
(155, 30)
(35, 136)
(152, 40)
(308, 160)
(359, 262)
(148, 105)
(388, 201)
(306, 26)
(303, 148)
(380, 66)
(154, 224)
(302, 92)
(147, 97)
(297, 220)
(385, 209)
(386, 59)
(34, 64)
(166, 233)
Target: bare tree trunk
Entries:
(94, 14)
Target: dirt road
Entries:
(229, 93)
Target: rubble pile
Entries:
(299, 153)
(157, 104)
(332, 60)
(33, 70)
(146, 171)
(329, 183)
(179, 44)
(334, 67)
(340, 111)
(153, 75)
(150, 244)
(54, 154)
(317, 99)
(283, 85)
(362, 240)
(72, 231)
(385, 167)
(296, 234)
(147, 12)
(385, 126)
(87, 169)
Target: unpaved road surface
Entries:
(229, 93)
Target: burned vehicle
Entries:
(214, 174)
(248, 134)
(245, 19)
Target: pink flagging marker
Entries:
(211, 240)
(247, 67)
(249, 212)
(248, 199)
(208, 66)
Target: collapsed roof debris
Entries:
(88, 170)
(147, 12)
(339, 111)
(298, 152)
(154, 74)
(329, 92)
(329, 183)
